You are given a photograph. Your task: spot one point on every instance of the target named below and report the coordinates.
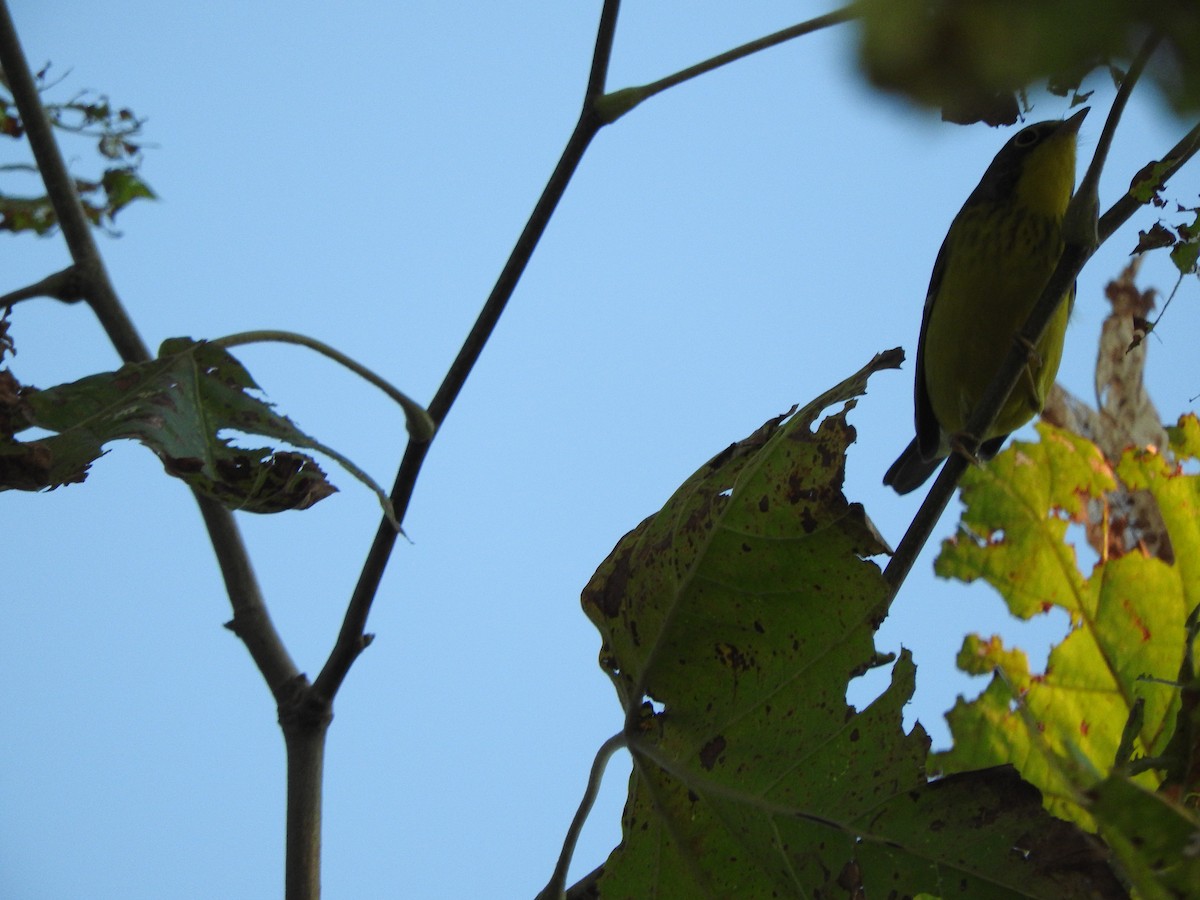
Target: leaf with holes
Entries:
(1062, 727)
(179, 405)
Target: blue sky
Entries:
(359, 173)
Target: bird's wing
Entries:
(929, 431)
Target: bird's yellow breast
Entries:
(997, 262)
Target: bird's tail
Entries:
(911, 469)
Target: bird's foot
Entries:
(961, 443)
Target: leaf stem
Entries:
(556, 887)
(420, 425)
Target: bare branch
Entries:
(350, 641)
(620, 102)
(64, 286)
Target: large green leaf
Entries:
(732, 622)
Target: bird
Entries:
(997, 256)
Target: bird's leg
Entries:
(961, 443)
(1033, 363)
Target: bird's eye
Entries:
(1028, 137)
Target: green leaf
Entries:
(122, 186)
(1155, 838)
(732, 622)
(34, 214)
(1158, 236)
(1149, 181)
(1184, 254)
(117, 138)
(1008, 540)
(1184, 257)
(956, 53)
(1178, 498)
(24, 466)
(1062, 728)
(179, 405)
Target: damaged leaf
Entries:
(181, 405)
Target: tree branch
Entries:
(305, 723)
(599, 109)
(60, 188)
(90, 281)
(1119, 213)
(352, 638)
(63, 286)
(602, 54)
(620, 102)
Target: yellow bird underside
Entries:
(983, 300)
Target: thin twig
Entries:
(620, 102)
(351, 638)
(556, 887)
(1119, 213)
(606, 32)
(1080, 243)
(597, 111)
(251, 620)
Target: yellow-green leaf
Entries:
(1062, 727)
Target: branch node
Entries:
(300, 708)
(612, 106)
(66, 286)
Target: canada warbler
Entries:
(997, 256)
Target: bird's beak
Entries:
(1071, 125)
